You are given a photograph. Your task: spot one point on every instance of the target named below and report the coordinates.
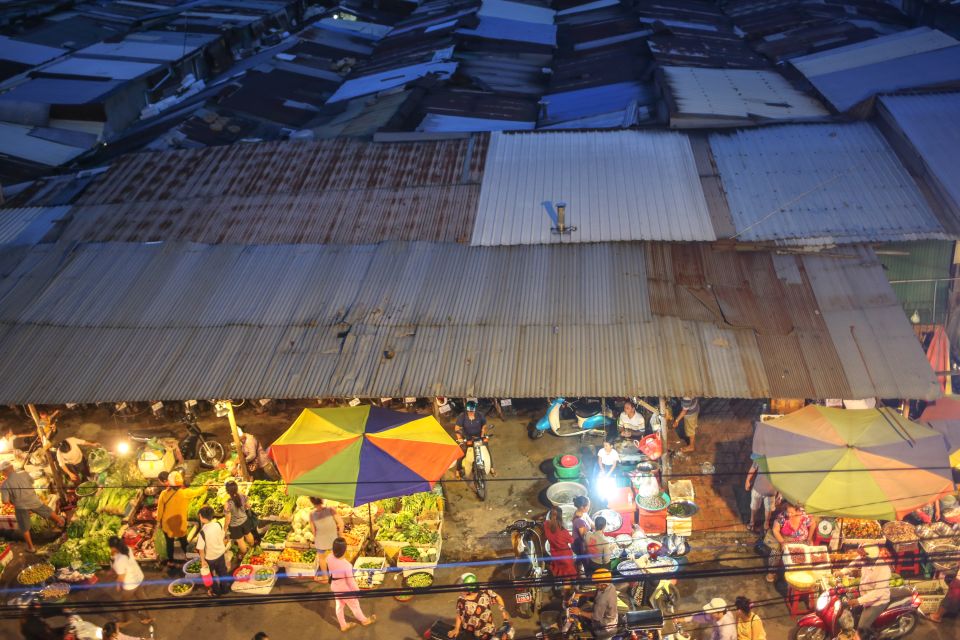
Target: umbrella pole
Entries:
(370, 543)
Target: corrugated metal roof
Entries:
(19, 141)
(158, 46)
(619, 101)
(517, 11)
(873, 340)
(733, 97)
(28, 225)
(624, 185)
(493, 28)
(365, 320)
(810, 184)
(438, 123)
(27, 52)
(97, 68)
(334, 191)
(398, 77)
(882, 49)
(60, 91)
(847, 89)
(930, 124)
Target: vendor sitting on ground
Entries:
(601, 548)
(631, 423)
(607, 460)
(71, 460)
(794, 526)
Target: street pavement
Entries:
(472, 540)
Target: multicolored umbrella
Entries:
(360, 454)
(868, 463)
(944, 416)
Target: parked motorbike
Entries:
(195, 445)
(589, 418)
(476, 463)
(529, 569)
(896, 621)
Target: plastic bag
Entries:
(206, 576)
(651, 446)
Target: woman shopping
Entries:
(792, 526)
(582, 525)
(342, 581)
(561, 554)
(172, 508)
(129, 578)
(749, 624)
(327, 526)
(239, 522)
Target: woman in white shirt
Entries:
(129, 579)
(608, 459)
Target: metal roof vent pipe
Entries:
(544, 109)
(562, 228)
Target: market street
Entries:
(472, 538)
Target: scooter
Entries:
(896, 621)
(591, 419)
(195, 445)
(529, 568)
(476, 464)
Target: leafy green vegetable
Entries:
(402, 527)
(276, 534)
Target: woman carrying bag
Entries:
(240, 522)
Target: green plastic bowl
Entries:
(565, 473)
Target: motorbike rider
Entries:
(475, 612)
(874, 586)
(469, 426)
(604, 617)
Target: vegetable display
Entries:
(36, 574)
(99, 459)
(402, 527)
(419, 580)
(7, 509)
(277, 534)
(270, 499)
(193, 567)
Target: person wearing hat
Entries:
(470, 425)
(874, 586)
(475, 610)
(18, 490)
(717, 621)
(172, 506)
(604, 617)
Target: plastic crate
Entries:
(931, 593)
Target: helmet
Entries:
(471, 406)
(602, 575)
(469, 581)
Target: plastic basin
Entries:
(565, 473)
(563, 493)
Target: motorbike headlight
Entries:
(823, 601)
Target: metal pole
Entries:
(933, 318)
(51, 460)
(241, 462)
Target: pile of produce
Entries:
(419, 580)
(87, 488)
(86, 507)
(115, 500)
(422, 504)
(36, 574)
(87, 541)
(7, 509)
(260, 557)
(180, 588)
(193, 566)
(899, 532)
(145, 548)
(78, 574)
(409, 554)
(125, 475)
(652, 503)
(860, 529)
(54, 592)
(270, 499)
(300, 531)
(99, 460)
(403, 527)
(296, 556)
(896, 580)
(277, 535)
(370, 573)
(356, 534)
